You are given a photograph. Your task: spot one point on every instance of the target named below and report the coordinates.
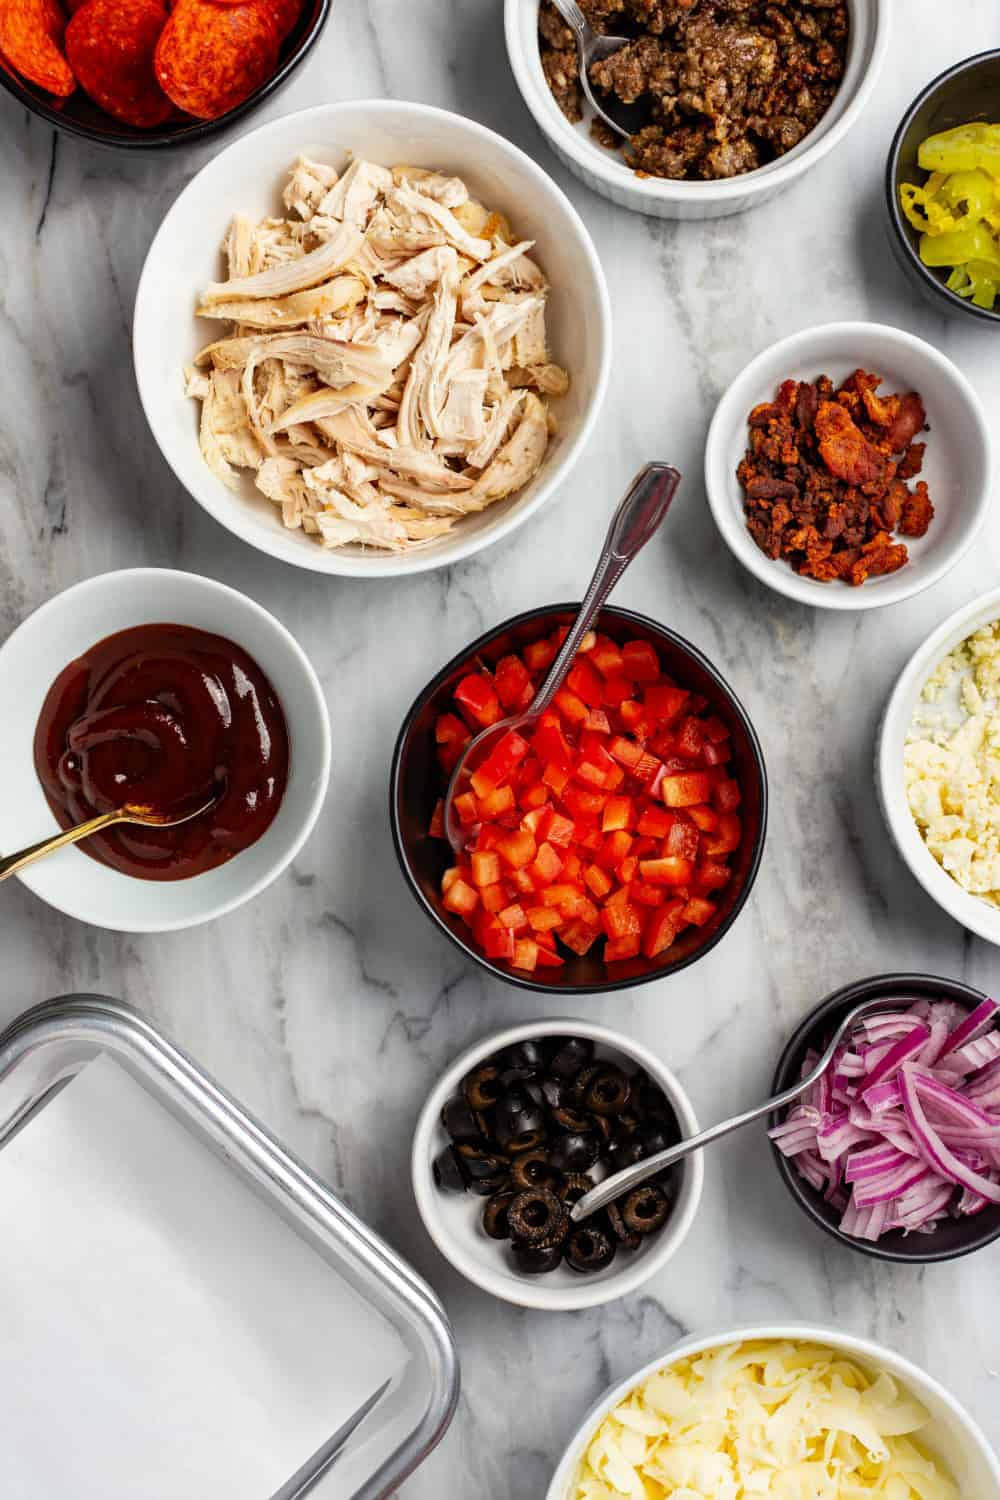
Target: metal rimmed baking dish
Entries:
(43, 1049)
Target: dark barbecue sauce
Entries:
(164, 716)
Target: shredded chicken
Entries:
(386, 367)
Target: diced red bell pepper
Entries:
(522, 882)
(715, 729)
(545, 866)
(563, 894)
(485, 868)
(547, 957)
(525, 955)
(682, 841)
(619, 812)
(640, 662)
(668, 870)
(572, 863)
(598, 881)
(539, 655)
(606, 656)
(635, 719)
(659, 932)
(664, 701)
(716, 755)
(536, 820)
(436, 828)
(727, 836)
(460, 897)
(535, 796)
(466, 809)
(513, 683)
(549, 743)
(572, 708)
(626, 871)
(449, 730)
(614, 849)
(494, 897)
(704, 818)
(698, 911)
(579, 938)
(726, 794)
(543, 918)
(626, 752)
(687, 789)
(513, 916)
(597, 722)
(689, 738)
(618, 949)
(710, 875)
(585, 805)
(500, 801)
(518, 848)
(500, 764)
(585, 681)
(560, 831)
(477, 697)
(656, 822)
(556, 777)
(617, 688)
(620, 919)
(644, 894)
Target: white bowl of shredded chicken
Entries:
(793, 1412)
(371, 338)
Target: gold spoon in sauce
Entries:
(131, 812)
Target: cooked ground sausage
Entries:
(724, 85)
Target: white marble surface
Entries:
(330, 1005)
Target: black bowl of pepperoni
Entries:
(614, 842)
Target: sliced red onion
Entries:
(903, 1129)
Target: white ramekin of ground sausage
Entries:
(720, 164)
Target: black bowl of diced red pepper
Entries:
(613, 842)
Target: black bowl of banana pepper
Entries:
(522, 1126)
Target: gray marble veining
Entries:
(330, 1005)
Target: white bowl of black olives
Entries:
(522, 1125)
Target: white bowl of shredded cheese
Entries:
(783, 1411)
(938, 765)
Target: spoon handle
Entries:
(23, 857)
(575, 19)
(632, 525)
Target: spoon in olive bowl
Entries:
(132, 812)
(632, 525)
(592, 48)
(630, 1177)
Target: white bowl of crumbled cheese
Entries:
(938, 765)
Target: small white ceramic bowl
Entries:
(605, 171)
(951, 1436)
(958, 465)
(453, 1220)
(52, 637)
(246, 177)
(975, 915)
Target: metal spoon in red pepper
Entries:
(634, 522)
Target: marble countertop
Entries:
(330, 1005)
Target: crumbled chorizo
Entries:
(824, 477)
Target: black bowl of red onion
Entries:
(896, 1150)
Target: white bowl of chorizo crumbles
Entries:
(787, 96)
(849, 466)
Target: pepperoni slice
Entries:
(31, 33)
(110, 47)
(286, 13)
(211, 55)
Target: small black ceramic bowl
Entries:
(968, 91)
(952, 1237)
(416, 783)
(78, 115)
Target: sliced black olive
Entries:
(571, 1119)
(524, 1059)
(557, 1092)
(482, 1087)
(574, 1152)
(532, 1169)
(495, 1215)
(604, 1126)
(627, 1238)
(625, 1124)
(487, 1187)
(449, 1171)
(573, 1054)
(607, 1093)
(646, 1208)
(648, 1098)
(624, 1153)
(574, 1188)
(518, 1122)
(533, 1262)
(655, 1136)
(589, 1248)
(537, 1217)
(480, 1163)
(460, 1121)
